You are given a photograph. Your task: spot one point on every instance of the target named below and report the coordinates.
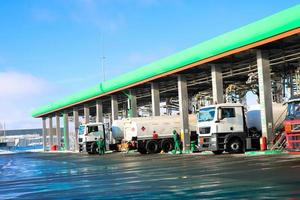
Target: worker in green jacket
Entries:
(176, 139)
(101, 146)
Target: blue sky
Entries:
(52, 48)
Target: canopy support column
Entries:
(86, 113)
(114, 107)
(99, 111)
(183, 109)
(76, 127)
(50, 131)
(44, 134)
(265, 94)
(133, 104)
(66, 131)
(217, 84)
(58, 132)
(155, 99)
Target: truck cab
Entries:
(292, 125)
(222, 127)
(88, 134)
(292, 121)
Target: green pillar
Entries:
(132, 103)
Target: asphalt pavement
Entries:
(160, 176)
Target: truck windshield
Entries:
(96, 130)
(81, 130)
(294, 110)
(206, 114)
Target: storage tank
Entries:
(117, 129)
(253, 116)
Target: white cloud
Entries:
(15, 85)
(19, 94)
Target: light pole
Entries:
(102, 59)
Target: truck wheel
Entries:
(234, 146)
(218, 152)
(94, 148)
(152, 146)
(80, 148)
(141, 147)
(167, 145)
(142, 150)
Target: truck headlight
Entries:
(288, 128)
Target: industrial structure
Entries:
(263, 57)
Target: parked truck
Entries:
(88, 134)
(291, 125)
(228, 127)
(150, 134)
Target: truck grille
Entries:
(295, 127)
(204, 130)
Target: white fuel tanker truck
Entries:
(150, 134)
(89, 134)
(221, 127)
(228, 127)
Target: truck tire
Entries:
(234, 145)
(152, 146)
(218, 152)
(142, 150)
(141, 147)
(167, 145)
(94, 148)
(88, 147)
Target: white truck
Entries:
(150, 134)
(228, 127)
(88, 134)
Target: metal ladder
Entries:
(280, 143)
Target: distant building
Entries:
(37, 131)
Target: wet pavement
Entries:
(134, 176)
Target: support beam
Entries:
(58, 132)
(265, 94)
(86, 113)
(126, 111)
(114, 107)
(66, 131)
(76, 127)
(291, 86)
(183, 109)
(50, 131)
(217, 84)
(155, 99)
(99, 111)
(44, 134)
(133, 104)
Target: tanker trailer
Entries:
(150, 134)
(253, 116)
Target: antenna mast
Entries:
(102, 59)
